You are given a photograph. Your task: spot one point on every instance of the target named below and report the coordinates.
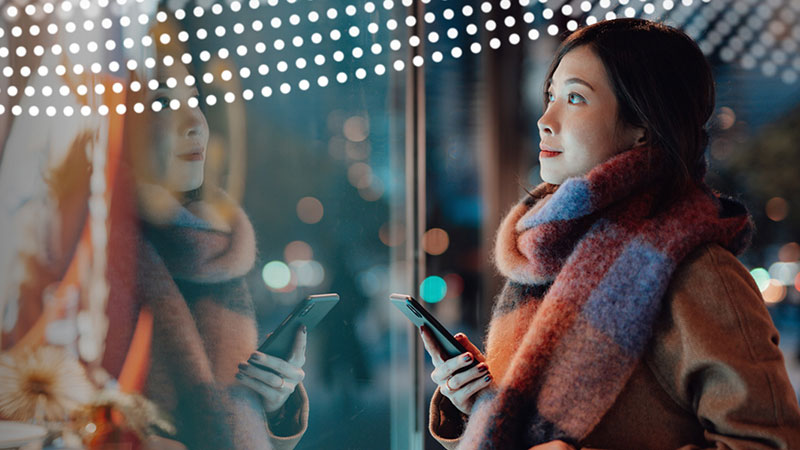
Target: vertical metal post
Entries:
(416, 213)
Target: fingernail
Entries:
(487, 378)
(239, 376)
(242, 366)
(458, 335)
(255, 357)
(305, 329)
(467, 357)
(482, 368)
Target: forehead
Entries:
(583, 63)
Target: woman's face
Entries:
(579, 127)
(178, 137)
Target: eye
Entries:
(550, 97)
(574, 98)
(163, 100)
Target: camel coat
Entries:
(712, 376)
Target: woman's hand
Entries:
(273, 378)
(461, 388)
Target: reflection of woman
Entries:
(626, 321)
(194, 247)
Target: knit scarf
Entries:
(191, 264)
(586, 272)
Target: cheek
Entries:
(162, 144)
(592, 137)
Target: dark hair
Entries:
(663, 83)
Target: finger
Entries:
(463, 396)
(469, 346)
(298, 355)
(269, 393)
(264, 376)
(280, 367)
(431, 346)
(463, 378)
(448, 368)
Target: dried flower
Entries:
(46, 384)
(139, 414)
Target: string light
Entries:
(772, 53)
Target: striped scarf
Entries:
(586, 270)
(191, 277)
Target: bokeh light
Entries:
(356, 129)
(372, 192)
(433, 289)
(761, 276)
(726, 118)
(298, 250)
(310, 210)
(789, 252)
(276, 275)
(308, 272)
(784, 272)
(435, 241)
(360, 175)
(392, 234)
(777, 209)
(775, 292)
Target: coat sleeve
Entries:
(718, 356)
(286, 430)
(446, 423)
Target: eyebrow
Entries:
(573, 80)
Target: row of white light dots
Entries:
(335, 35)
(294, 19)
(227, 75)
(12, 12)
(263, 69)
(758, 49)
(316, 38)
(260, 47)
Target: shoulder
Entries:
(713, 322)
(711, 289)
(712, 297)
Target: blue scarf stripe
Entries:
(572, 200)
(627, 299)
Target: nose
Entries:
(548, 123)
(194, 121)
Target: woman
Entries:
(626, 321)
(193, 247)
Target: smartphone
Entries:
(308, 312)
(419, 316)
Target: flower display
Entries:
(46, 384)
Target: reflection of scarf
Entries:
(190, 276)
(586, 271)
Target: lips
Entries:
(547, 151)
(196, 154)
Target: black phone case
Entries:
(420, 316)
(308, 312)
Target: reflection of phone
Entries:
(420, 316)
(309, 313)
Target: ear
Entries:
(639, 137)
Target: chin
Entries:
(188, 184)
(551, 178)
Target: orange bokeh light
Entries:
(435, 241)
